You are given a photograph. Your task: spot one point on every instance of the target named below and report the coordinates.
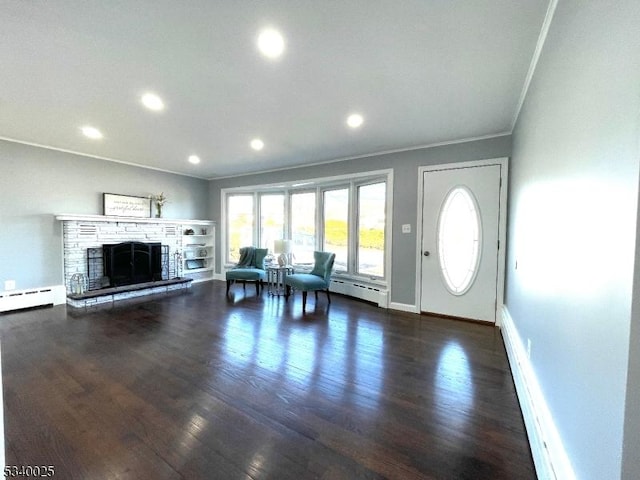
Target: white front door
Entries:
(460, 235)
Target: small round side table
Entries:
(275, 278)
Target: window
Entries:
(303, 226)
(336, 226)
(459, 237)
(240, 224)
(371, 226)
(346, 215)
(271, 219)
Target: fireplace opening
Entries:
(129, 263)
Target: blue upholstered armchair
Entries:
(317, 279)
(250, 268)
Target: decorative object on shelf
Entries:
(203, 231)
(283, 247)
(160, 201)
(115, 205)
(193, 264)
(191, 254)
(189, 231)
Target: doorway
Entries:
(461, 246)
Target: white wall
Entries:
(36, 184)
(572, 225)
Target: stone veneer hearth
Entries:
(83, 232)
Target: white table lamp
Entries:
(283, 247)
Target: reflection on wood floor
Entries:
(199, 385)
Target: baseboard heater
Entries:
(377, 295)
(34, 297)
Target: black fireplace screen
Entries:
(126, 264)
(132, 262)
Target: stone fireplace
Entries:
(125, 251)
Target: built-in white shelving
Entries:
(198, 250)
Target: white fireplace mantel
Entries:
(112, 219)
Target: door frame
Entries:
(503, 162)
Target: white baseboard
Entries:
(371, 293)
(32, 297)
(404, 307)
(549, 455)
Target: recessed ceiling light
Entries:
(152, 101)
(271, 43)
(194, 159)
(91, 132)
(355, 120)
(257, 144)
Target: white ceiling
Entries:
(420, 72)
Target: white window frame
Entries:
(320, 221)
(356, 212)
(317, 234)
(319, 185)
(225, 234)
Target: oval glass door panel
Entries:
(459, 237)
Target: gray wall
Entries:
(631, 443)
(36, 184)
(405, 170)
(572, 227)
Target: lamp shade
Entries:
(282, 246)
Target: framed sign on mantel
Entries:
(126, 206)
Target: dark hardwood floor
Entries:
(194, 385)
